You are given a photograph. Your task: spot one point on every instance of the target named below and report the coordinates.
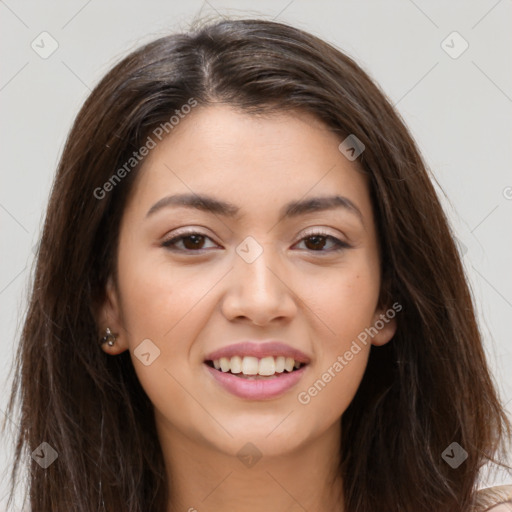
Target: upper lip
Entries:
(259, 349)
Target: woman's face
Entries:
(275, 272)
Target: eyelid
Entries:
(190, 231)
(317, 231)
(177, 235)
(197, 231)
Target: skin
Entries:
(299, 291)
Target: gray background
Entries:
(458, 109)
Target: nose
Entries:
(259, 291)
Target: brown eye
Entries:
(191, 242)
(316, 242)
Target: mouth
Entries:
(262, 370)
(244, 378)
(253, 368)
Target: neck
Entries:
(202, 478)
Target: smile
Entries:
(256, 379)
(251, 366)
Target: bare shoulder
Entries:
(494, 499)
(502, 507)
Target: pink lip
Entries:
(261, 389)
(259, 350)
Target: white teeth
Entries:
(224, 364)
(249, 365)
(289, 363)
(236, 364)
(267, 366)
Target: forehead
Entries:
(253, 161)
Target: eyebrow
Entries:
(293, 209)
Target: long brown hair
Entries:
(426, 389)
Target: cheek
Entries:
(345, 308)
(328, 394)
(165, 305)
(347, 303)
(160, 314)
(158, 297)
(342, 356)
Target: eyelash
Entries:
(168, 244)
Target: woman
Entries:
(245, 225)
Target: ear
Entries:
(110, 316)
(384, 322)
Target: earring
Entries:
(109, 338)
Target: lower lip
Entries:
(257, 389)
